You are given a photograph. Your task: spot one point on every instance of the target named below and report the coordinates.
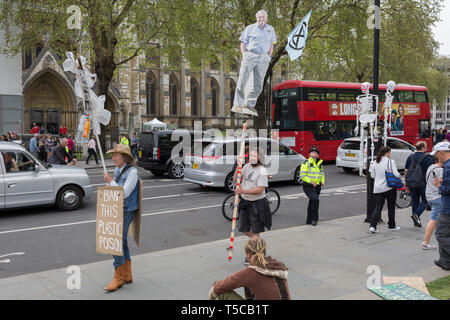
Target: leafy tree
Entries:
(112, 31)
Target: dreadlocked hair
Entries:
(256, 248)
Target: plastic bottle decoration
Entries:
(87, 127)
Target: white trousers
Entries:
(256, 64)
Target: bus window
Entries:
(347, 95)
(285, 93)
(406, 96)
(333, 130)
(286, 113)
(313, 94)
(420, 97)
(424, 128)
(328, 95)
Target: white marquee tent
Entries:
(155, 124)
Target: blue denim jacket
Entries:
(444, 189)
(132, 202)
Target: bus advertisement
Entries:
(322, 114)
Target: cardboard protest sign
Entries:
(109, 225)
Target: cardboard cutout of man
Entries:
(257, 42)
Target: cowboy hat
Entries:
(121, 148)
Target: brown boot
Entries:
(127, 273)
(117, 281)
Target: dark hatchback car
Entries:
(155, 150)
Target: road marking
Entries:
(13, 254)
(149, 187)
(146, 214)
(177, 195)
(10, 254)
(93, 221)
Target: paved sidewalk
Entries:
(325, 262)
(92, 165)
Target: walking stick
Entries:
(236, 197)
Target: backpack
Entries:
(414, 177)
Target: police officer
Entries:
(125, 140)
(313, 179)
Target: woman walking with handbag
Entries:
(385, 173)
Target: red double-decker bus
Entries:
(322, 114)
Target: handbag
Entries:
(391, 180)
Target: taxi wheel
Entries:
(69, 198)
(229, 184)
(347, 169)
(297, 179)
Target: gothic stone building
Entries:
(137, 94)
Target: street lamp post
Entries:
(376, 64)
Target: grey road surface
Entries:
(176, 214)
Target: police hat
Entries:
(314, 149)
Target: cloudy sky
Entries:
(442, 30)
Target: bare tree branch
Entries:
(293, 13)
(122, 14)
(129, 58)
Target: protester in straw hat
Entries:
(127, 176)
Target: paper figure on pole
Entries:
(94, 107)
(365, 117)
(387, 110)
(257, 42)
(94, 112)
(297, 38)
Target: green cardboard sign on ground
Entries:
(400, 291)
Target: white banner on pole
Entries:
(297, 38)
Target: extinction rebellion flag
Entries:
(297, 38)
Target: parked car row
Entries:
(213, 163)
(29, 182)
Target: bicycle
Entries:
(403, 197)
(271, 194)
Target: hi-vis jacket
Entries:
(125, 141)
(310, 172)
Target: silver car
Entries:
(348, 153)
(25, 181)
(215, 166)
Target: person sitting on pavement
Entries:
(435, 171)
(127, 176)
(381, 190)
(61, 156)
(10, 162)
(264, 276)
